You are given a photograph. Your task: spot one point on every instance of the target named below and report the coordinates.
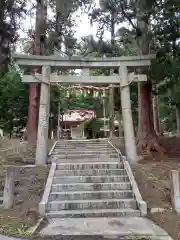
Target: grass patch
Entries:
(13, 230)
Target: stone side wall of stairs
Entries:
(90, 179)
(1, 191)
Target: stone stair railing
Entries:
(1, 191)
(44, 201)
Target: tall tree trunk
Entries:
(58, 43)
(34, 89)
(6, 38)
(156, 113)
(146, 137)
(178, 120)
(111, 88)
(145, 126)
(62, 14)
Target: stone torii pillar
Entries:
(111, 110)
(111, 107)
(42, 137)
(130, 143)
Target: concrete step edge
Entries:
(101, 171)
(93, 200)
(95, 210)
(95, 176)
(83, 145)
(84, 192)
(85, 148)
(91, 155)
(89, 163)
(91, 179)
(73, 184)
(94, 169)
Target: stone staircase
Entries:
(88, 179)
(91, 193)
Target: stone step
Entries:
(87, 141)
(61, 147)
(84, 151)
(84, 160)
(88, 147)
(90, 172)
(94, 213)
(90, 186)
(91, 204)
(71, 155)
(96, 147)
(90, 179)
(78, 143)
(85, 195)
(80, 166)
(84, 155)
(83, 145)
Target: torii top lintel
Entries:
(79, 63)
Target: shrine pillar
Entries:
(130, 143)
(42, 137)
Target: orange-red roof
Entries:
(78, 115)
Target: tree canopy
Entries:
(157, 30)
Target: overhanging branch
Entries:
(126, 16)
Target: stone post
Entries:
(85, 72)
(8, 197)
(42, 139)
(175, 191)
(111, 110)
(130, 143)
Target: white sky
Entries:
(83, 26)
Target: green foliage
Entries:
(13, 102)
(92, 128)
(84, 102)
(10, 230)
(10, 14)
(58, 96)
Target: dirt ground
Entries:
(153, 181)
(29, 187)
(16, 152)
(28, 193)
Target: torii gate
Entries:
(46, 78)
